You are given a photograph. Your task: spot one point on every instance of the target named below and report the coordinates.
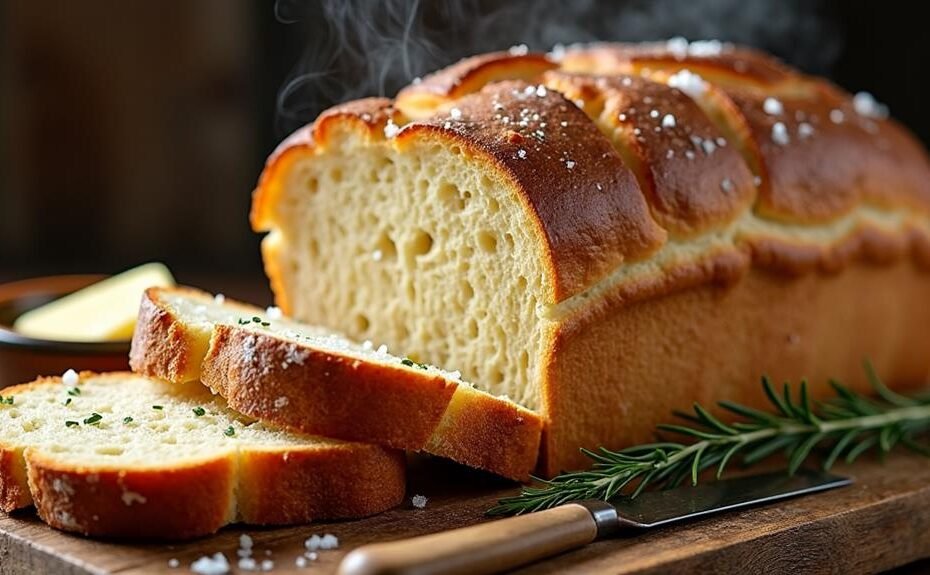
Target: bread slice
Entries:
(122, 455)
(319, 382)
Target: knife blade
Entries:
(504, 544)
(657, 508)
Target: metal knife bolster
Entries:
(605, 516)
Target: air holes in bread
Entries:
(451, 196)
(472, 328)
(421, 243)
(385, 248)
(362, 323)
(468, 291)
(487, 241)
(496, 376)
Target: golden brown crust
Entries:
(727, 63)
(423, 98)
(714, 341)
(586, 202)
(367, 116)
(693, 179)
(324, 393)
(332, 394)
(472, 428)
(14, 486)
(828, 169)
(830, 157)
(160, 346)
(272, 484)
(825, 168)
(866, 244)
(178, 502)
(173, 501)
(335, 395)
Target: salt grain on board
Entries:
(216, 565)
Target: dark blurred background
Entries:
(135, 131)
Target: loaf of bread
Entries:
(121, 455)
(611, 233)
(315, 381)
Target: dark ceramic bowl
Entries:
(22, 358)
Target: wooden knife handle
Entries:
(479, 549)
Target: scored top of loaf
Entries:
(620, 150)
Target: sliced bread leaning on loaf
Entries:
(319, 382)
(122, 455)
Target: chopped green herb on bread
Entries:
(316, 381)
(131, 457)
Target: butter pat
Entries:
(104, 311)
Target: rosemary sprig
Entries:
(848, 424)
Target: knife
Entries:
(497, 546)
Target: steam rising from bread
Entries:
(358, 48)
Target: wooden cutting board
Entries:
(880, 522)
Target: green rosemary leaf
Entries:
(649, 447)
(709, 420)
(696, 464)
(643, 483)
(773, 397)
(687, 417)
(726, 458)
(860, 448)
(834, 411)
(677, 477)
(686, 430)
(887, 438)
(796, 412)
(596, 456)
(767, 448)
(883, 391)
(748, 412)
(839, 447)
(852, 421)
(853, 401)
(801, 452)
(806, 411)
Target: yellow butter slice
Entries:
(104, 311)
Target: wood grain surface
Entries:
(880, 522)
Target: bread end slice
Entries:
(161, 347)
